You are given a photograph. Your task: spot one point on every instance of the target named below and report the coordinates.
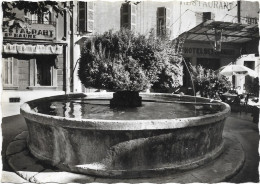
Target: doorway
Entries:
(209, 63)
(44, 70)
(249, 80)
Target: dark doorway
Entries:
(44, 67)
(249, 80)
(186, 76)
(209, 63)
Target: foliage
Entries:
(37, 7)
(124, 61)
(209, 82)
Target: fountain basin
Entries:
(125, 148)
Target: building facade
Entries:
(43, 56)
(33, 59)
(100, 16)
(175, 18)
(200, 21)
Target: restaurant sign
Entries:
(209, 4)
(33, 31)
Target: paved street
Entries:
(237, 125)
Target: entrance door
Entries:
(44, 70)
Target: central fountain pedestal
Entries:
(126, 99)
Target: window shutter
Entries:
(85, 16)
(199, 17)
(124, 18)
(15, 72)
(90, 16)
(8, 71)
(133, 16)
(161, 21)
(82, 16)
(168, 20)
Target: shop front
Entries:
(32, 64)
(29, 67)
(206, 47)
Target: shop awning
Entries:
(38, 49)
(231, 32)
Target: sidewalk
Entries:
(240, 126)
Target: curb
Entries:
(223, 168)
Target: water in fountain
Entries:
(100, 109)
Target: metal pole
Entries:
(238, 11)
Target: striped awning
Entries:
(38, 49)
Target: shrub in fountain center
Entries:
(124, 62)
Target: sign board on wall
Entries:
(33, 31)
(209, 4)
(198, 51)
(32, 49)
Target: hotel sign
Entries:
(207, 52)
(33, 31)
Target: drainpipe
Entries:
(67, 49)
(72, 33)
(238, 11)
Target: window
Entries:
(128, 16)
(204, 16)
(45, 18)
(85, 17)
(208, 16)
(163, 21)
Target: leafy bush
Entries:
(209, 82)
(123, 61)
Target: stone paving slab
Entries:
(16, 146)
(221, 169)
(22, 136)
(25, 165)
(49, 175)
(11, 177)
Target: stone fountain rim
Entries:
(101, 124)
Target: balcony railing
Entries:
(40, 22)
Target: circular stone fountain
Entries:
(167, 134)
